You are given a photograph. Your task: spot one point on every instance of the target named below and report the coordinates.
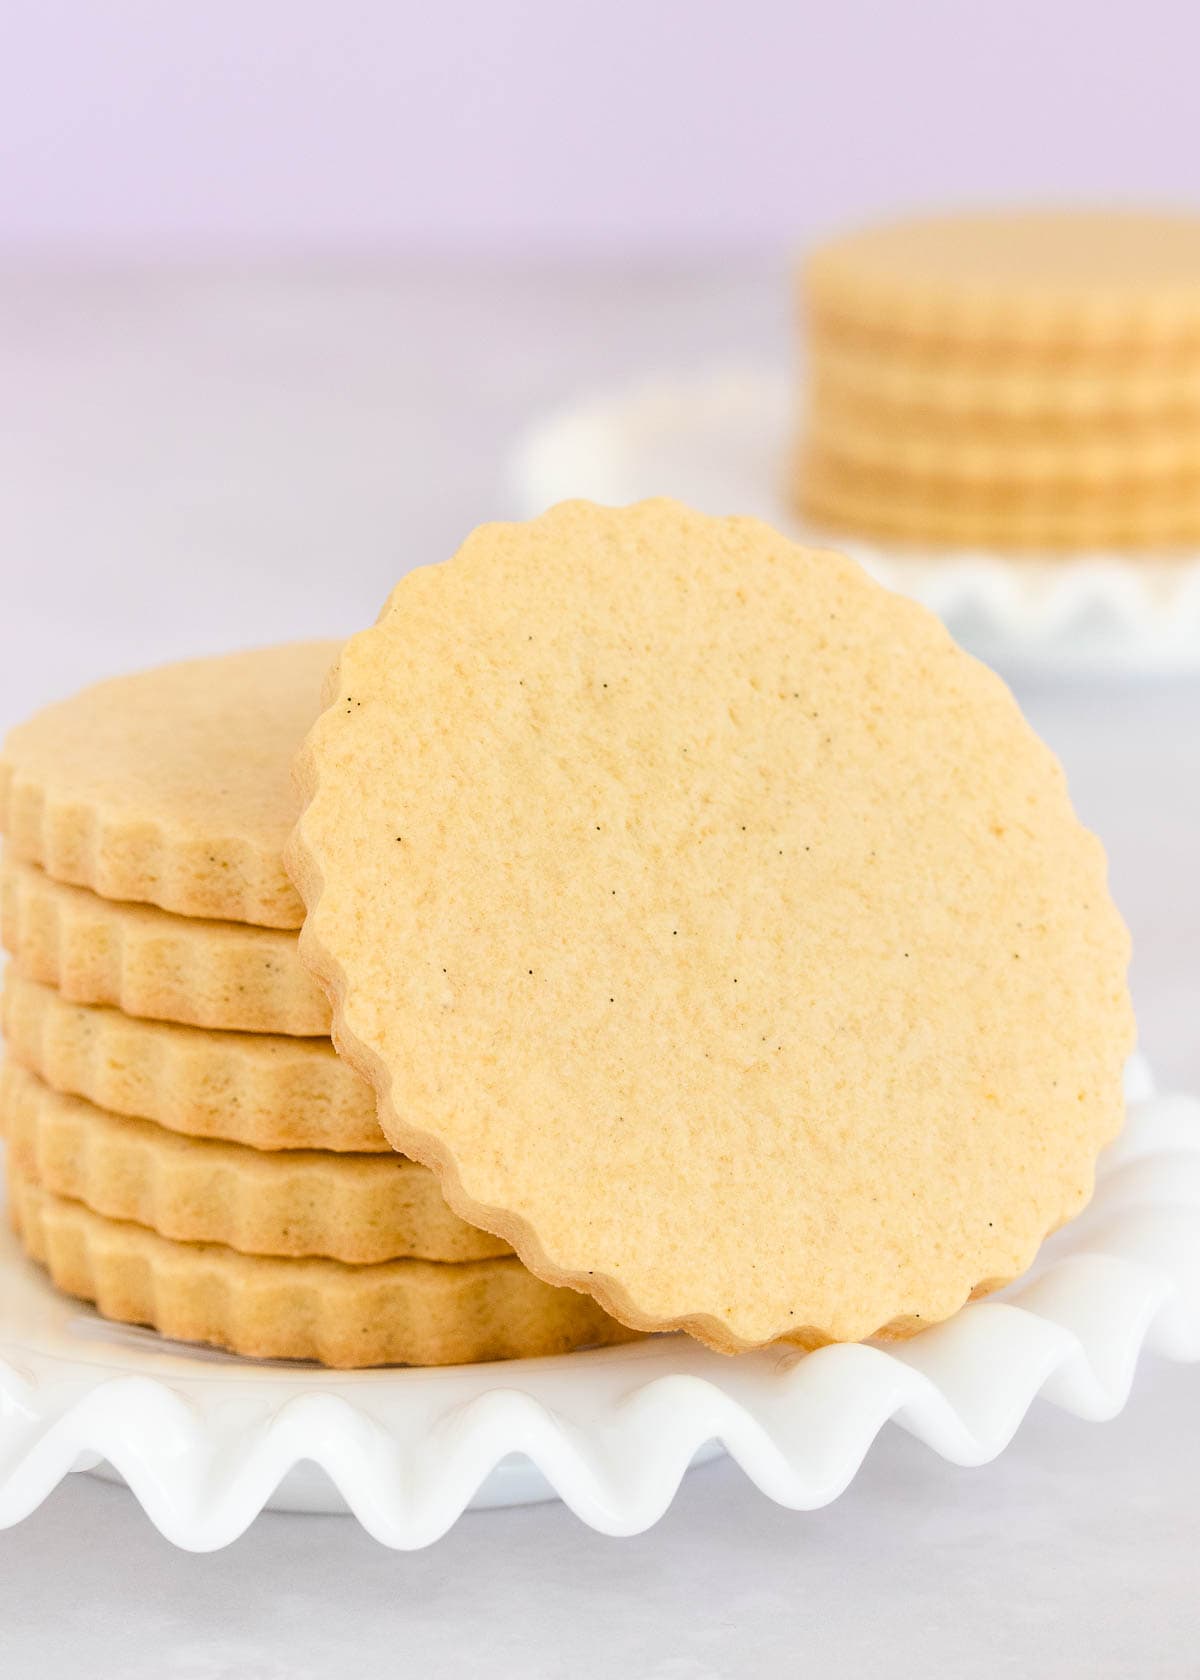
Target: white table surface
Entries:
(205, 458)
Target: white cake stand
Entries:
(206, 1441)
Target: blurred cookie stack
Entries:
(184, 1146)
(1006, 382)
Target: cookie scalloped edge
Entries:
(399, 1312)
(301, 1203)
(140, 859)
(152, 963)
(268, 1091)
(608, 1291)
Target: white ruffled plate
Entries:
(206, 1441)
(718, 441)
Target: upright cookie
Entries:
(149, 962)
(170, 787)
(718, 931)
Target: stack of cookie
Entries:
(184, 1146)
(1010, 382)
(706, 925)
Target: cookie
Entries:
(356, 1208)
(1092, 286)
(996, 395)
(715, 928)
(947, 389)
(149, 962)
(170, 787)
(1161, 461)
(399, 1312)
(835, 495)
(260, 1089)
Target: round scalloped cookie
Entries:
(1001, 398)
(399, 1312)
(1163, 460)
(149, 962)
(266, 1090)
(717, 930)
(288, 1202)
(835, 495)
(172, 786)
(1087, 284)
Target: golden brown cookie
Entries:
(261, 1089)
(1153, 461)
(147, 961)
(293, 1202)
(836, 495)
(401, 1312)
(719, 932)
(998, 396)
(1086, 285)
(172, 786)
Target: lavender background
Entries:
(565, 125)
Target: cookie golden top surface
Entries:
(716, 928)
(1052, 274)
(171, 786)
